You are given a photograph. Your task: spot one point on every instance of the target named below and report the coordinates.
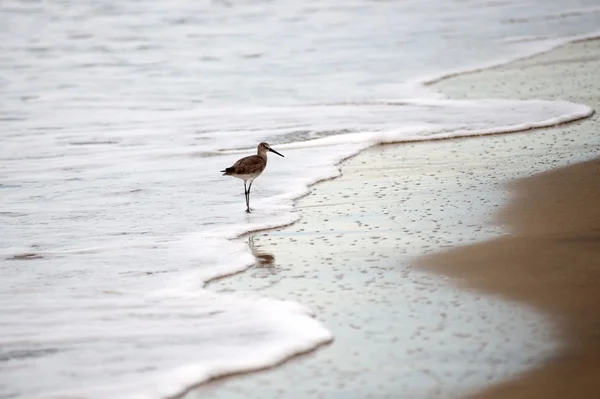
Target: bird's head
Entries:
(263, 147)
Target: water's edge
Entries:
(424, 82)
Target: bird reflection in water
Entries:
(263, 258)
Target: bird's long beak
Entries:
(272, 150)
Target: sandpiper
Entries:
(249, 168)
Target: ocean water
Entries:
(116, 117)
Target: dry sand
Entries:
(402, 332)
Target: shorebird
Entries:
(249, 168)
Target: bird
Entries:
(249, 168)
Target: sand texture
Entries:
(551, 257)
(551, 260)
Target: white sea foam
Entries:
(114, 215)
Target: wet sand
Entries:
(401, 329)
(550, 258)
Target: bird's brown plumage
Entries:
(252, 165)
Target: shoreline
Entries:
(556, 45)
(289, 274)
(550, 258)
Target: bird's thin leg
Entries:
(248, 204)
(246, 195)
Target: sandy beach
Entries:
(550, 261)
(550, 258)
(451, 268)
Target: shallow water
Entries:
(116, 118)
